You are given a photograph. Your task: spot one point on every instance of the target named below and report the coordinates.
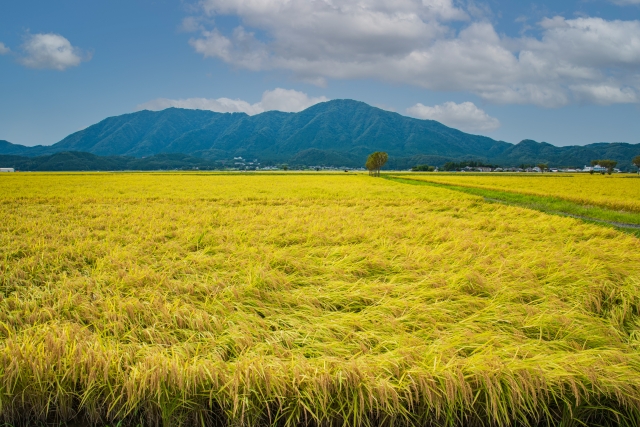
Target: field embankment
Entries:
(622, 220)
(299, 299)
(609, 191)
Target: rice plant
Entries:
(286, 300)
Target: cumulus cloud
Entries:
(51, 51)
(4, 49)
(286, 100)
(415, 42)
(604, 94)
(310, 31)
(242, 49)
(464, 116)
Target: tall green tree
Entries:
(542, 166)
(375, 162)
(636, 162)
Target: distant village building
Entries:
(596, 168)
(7, 170)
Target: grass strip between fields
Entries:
(625, 221)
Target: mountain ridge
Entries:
(332, 133)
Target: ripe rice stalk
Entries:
(216, 299)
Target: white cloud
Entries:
(604, 94)
(242, 49)
(465, 116)
(51, 51)
(4, 49)
(220, 105)
(414, 42)
(191, 24)
(582, 46)
(337, 29)
(286, 100)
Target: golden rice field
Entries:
(293, 299)
(609, 191)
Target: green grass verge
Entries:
(628, 222)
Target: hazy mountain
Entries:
(338, 133)
(532, 152)
(8, 148)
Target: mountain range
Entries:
(332, 133)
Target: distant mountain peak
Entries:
(339, 132)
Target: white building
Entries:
(7, 170)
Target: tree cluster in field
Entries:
(375, 162)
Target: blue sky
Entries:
(565, 72)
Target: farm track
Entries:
(540, 206)
(619, 195)
(585, 218)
